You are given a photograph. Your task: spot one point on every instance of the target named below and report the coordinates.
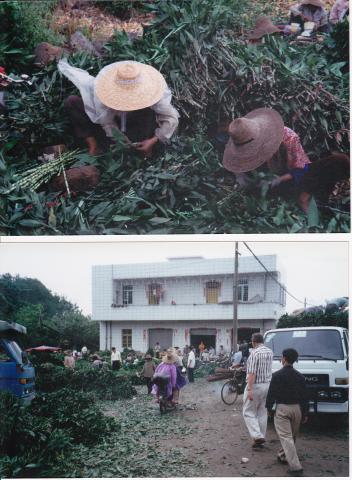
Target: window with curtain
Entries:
(212, 291)
(155, 292)
(126, 338)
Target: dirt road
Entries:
(220, 439)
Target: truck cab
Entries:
(16, 372)
(323, 360)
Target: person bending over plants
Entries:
(127, 96)
(310, 11)
(260, 139)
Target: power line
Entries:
(272, 276)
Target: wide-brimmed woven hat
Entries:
(170, 357)
(263, 26)
(316, 3)
(254, 139)
(128, 86)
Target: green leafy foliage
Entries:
(185, 189)
(32, 20)
(205, 369)
(37, 437)
(139, 448)
(309, 319)
(104, 383)
(50, 319)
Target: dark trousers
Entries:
(190, 374)
(116, 365)
(140, 124)
(149, 384)
(319, 180)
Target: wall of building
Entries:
(111, 332)
(188, 294)
(191, 290)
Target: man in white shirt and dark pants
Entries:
(115, 359)
(259, 372)
(191, 363)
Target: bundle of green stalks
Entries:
(33, 178)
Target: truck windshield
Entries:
(314, 344)
(12, 349)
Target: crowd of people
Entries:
(285, 388)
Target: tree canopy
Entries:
(308, 319)
(49, 318)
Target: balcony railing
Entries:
(187, 312)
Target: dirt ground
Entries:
(220, 439)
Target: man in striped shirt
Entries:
(259, 372)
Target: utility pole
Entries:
(305, 303)
(235, 301)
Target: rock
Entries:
(46, 53)
(244, 460)
(52, 152)
(81, 43)
(79, 179)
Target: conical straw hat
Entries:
(263, 26)
(128, 86)
(254, 139)
(315, 3)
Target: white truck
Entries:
(323, 360)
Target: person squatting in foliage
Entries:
(260, 139)
(148, 371)
(339, 11)
(288, 390)
(310, 11)
(69, 360)
(115, 359)
(127, 96)
(259, 370)
(168, 368)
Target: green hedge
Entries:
(35, 438)
(104, 383)
(339, 319)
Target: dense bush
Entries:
(50, 319)
(205, 369)
(36, 437)
(32, 20)
(104, 383)
(338, 319)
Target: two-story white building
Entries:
(184, 301)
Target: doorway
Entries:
(161, 335)
(205, 335)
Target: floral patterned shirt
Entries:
(296, 156)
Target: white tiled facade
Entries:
(183, 303)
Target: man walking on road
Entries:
(288, 390)
(259, 371)
(191, 363)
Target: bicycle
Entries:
(233, 387)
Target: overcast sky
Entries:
(316, 270)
